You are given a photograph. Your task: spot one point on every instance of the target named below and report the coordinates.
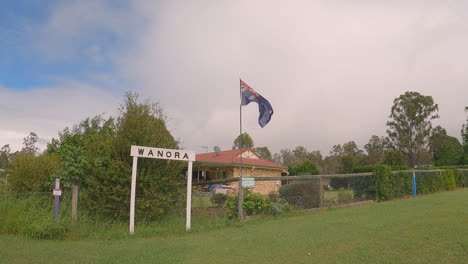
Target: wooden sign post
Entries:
(160, 153)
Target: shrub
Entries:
(254, 204)
(301, 194)
(280, 206)
(345, 196)
(219, 199)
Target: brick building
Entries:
(227, 164)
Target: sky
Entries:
(330, 69)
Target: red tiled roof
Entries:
(232, 157)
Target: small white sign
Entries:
(57, 192)
(248, 182)
(160, 153)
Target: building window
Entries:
(221, 174)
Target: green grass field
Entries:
(428, 229)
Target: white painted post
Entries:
(189, 196)
(132, 195)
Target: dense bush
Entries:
(30, 173)
(301, 194)
(254, 204)
(387, 186)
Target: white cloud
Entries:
(48, 110)
(331, 69)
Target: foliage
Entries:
(446, 150)
(387, 186)
(301, 194)
(5, 156)
(464, 134)
(29, 143)
(31, 215)
(307, 167)
(254, 204)
(297, 156)
(375, 149)
(219, 199)
(159, 183)
(245, 139)
(30, 173)
(410, 124)
(263, 152)
(348, 156)
(345, 197)
(436, 182)
(83, 150)
(395, 158)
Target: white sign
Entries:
(57, 192)
(160, 153)
(248, 183)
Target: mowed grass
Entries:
(427, 229)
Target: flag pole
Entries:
(240, 193)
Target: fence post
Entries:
(57, 193)
(240, 209)
(414, 184)
(74, 202)
(321, 191)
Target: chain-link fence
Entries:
(215, 203)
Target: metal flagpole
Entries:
(240, 193)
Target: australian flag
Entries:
(264, 107)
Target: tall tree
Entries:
(410, 124)
(29, 143)
(464, 134)
(375, 149)
(247, 141)
(445, 150)
(5, 156)
(263, 152)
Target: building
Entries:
(227, 164)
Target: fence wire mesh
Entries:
(215, 202)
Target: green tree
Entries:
(347, 156)
(263, 152)
(160, 182)
(410, 125)
(306, 167)
(464, 134)
(375, 150)
(5, 156)
(446, 150)
(247, 141)
(31, 173)
(82, 149)
(29, 143)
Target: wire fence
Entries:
(217, 200)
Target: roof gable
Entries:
(232, 157)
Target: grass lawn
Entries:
(428, 229)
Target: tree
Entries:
(307, 167)
(464, 134)
(5, 156)
(347, 156)
(247, 141)
(375, 150)
(446, 150)
(410, 125)
(29, 143)
(31, 173)
(263, 152)
(160, 183)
